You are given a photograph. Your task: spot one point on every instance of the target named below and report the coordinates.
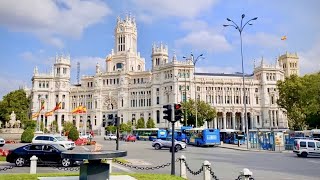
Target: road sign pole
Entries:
(173, 170)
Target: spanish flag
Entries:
(58, 106)
(79, 109)
(42, 105)
(284, 38)
(35, 115)
(50, 113)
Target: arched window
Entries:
(63, 105)
(139, 67)
(62, 119)
(119, 65)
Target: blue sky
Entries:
(33, 32)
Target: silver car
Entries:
(2, 142)
(159, 143)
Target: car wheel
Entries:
(304, 154)
(178, 147)
(1, 145)
(157, 146)
(20, 161)
(66, 162)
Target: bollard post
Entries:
(33, 164)
(183, 169)
(246, 174)
(109, 161)
(206, 172)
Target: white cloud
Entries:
(37, 57)
(204, 40)
(87, 63)
(165, 8)
(194, 25)
(264, 40)
(309, 60)
(50, 19)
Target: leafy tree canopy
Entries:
(150, 123)
(300, 97)
(140, 123)
(14, 101)
(205, 112)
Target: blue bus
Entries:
(181, 134)
(231, 136)
(203, 137)
(150, 134)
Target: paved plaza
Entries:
(226, 163)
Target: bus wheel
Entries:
(198, 144)
(157, 146)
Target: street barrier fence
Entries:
(206, 170)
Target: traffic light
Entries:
(116, 120)
(167, 112)
(177, 112)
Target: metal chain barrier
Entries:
(143, 168)
(240, 177)
(59, 167)
(192, 172)
(6, 168)
(212, 173)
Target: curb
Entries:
(253, 150)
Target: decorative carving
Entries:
(110, 103)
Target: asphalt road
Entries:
(225, 163)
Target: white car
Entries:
(110, 137)
(54, 139)
(159, 143)
(306, 147)
(2, 142)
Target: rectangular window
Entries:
(311, 145)
(303, 144)
(158, 116)
(158, 100)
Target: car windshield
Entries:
(60, 138)
(60, 148)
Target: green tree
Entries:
(31, 124)
(111, 129)
(27, 135)
(67, 126)
(205, 113)
(125, 127)
(150, 123)
(73, 134)
(16, 101)
(140, 123)
(299, 96)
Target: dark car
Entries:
(46, 153)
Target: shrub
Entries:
(73, 134)
(27, 135)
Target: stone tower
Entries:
(159, 55)
(290, 64)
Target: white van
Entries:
(306, 147)
(54, 139)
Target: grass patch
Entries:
(135, 175)
(3, 158)
(121, 160)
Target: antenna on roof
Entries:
(78, 72)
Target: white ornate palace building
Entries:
(127, 89)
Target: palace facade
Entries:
(127, 89)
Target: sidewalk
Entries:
(112, 177)
(243, 147)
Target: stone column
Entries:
(233, 120)
(77, 121)
(215, 123)
(251, 120)
(224, 120)
(243, 124)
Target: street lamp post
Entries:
(194, 61)
(240, 29)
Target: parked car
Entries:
(2, 142)
(159, 143)
(110, 137)
(54, 139)
(131, 138)
(306, 147)
(47, 153)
